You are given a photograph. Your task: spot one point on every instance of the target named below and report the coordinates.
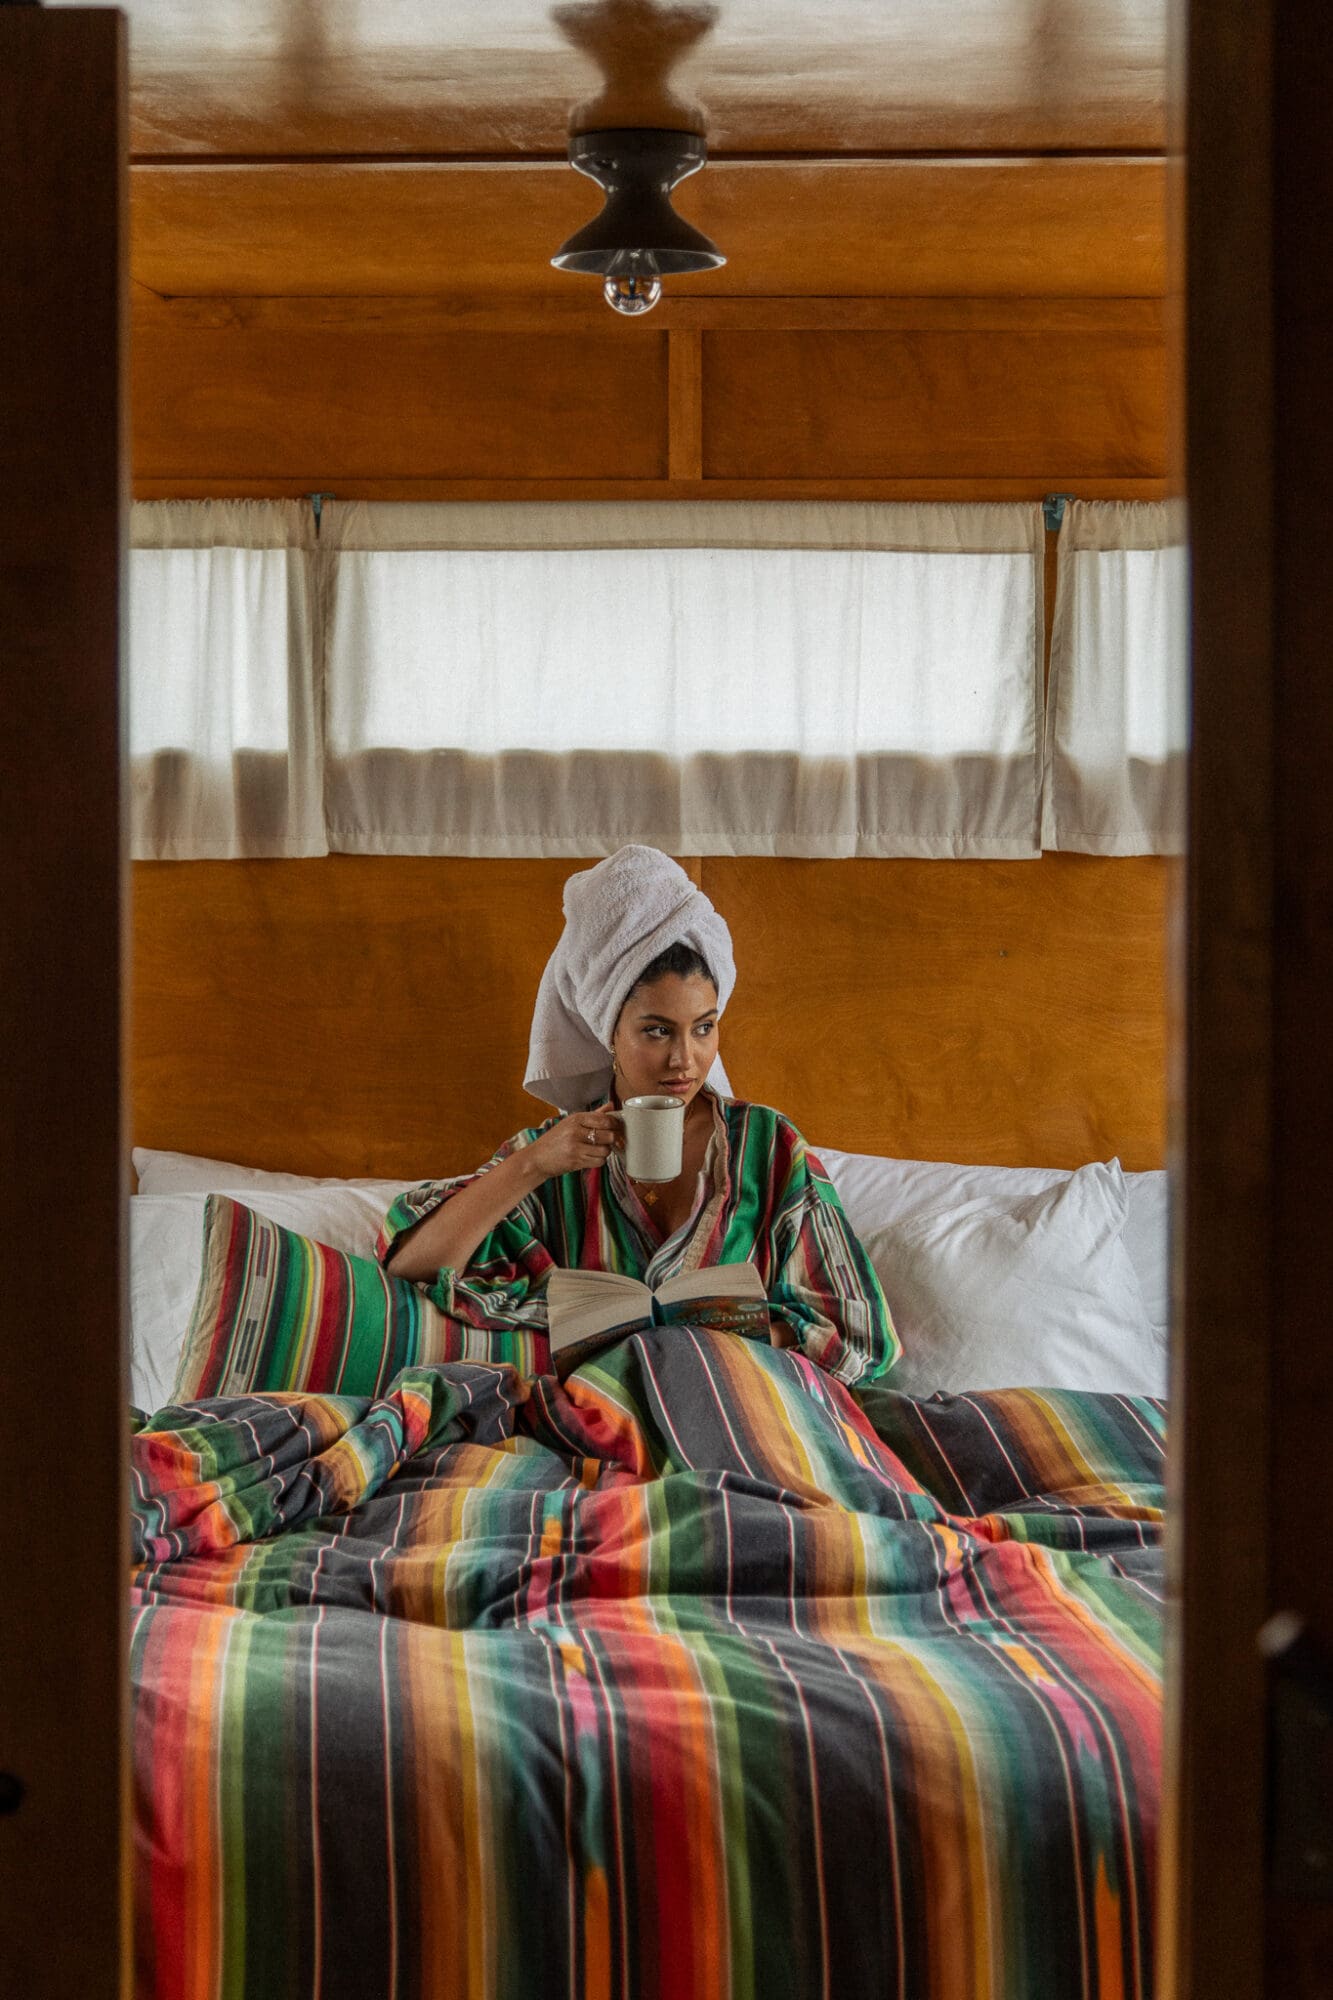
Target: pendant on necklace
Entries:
(650, 1197)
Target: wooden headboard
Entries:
(370, 1016)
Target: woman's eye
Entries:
(705, 1028)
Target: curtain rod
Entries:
(1052, 507)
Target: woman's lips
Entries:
(677, 1085)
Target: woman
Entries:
(629, 1006)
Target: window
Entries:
(1117, 720)
(224, 749)
(716, 678)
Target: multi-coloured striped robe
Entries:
(766, 1199)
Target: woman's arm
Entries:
(447, 1238)
(825, 1286)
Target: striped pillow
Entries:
(277, 1311)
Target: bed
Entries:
(697, 1674)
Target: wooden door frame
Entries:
(1253, 1390)
(63, 1374)
(1257, 1261)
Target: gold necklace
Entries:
(646, 1191)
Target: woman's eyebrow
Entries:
(666, 1021)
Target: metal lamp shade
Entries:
(638, 227)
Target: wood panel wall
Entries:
(377, 399)
(996, 332)
(995, 325)
(359, 1015)
(817, 229)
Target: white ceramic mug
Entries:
(654, 1134)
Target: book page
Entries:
(725, 1298)
(584, 1308)
(714, 1281)
(580, 1304)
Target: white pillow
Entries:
(880, 1195)
(192, 1173)
(166, 1247)
(1034, 1292)
(876, 1192)
(1147, 1239)
(166, 1233)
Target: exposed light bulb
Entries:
(638, 239)
(631, 292)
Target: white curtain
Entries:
(1117, 707)
(717, 678)
(225, 732)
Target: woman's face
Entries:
(666, 1037)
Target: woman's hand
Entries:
(447, 1238)
(581, 1140)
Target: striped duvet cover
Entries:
(695, 1676)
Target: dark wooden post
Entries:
(1252, 1863)
(63, 1904)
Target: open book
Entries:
(588, 1310)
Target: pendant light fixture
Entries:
(638, 239)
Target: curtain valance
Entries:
(945, 527)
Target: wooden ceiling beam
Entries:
(231, 486)
(845, 228)
(580, 309)
(497, 78)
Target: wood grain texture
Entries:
(247, 399)
(685, 416)
(1301, 527)
(1256, 1380)
(1221, 1368)
(1034, 487)
(941, 405)
(365, 1015)
(350, 1015)
(242, 405)
(63, 1853)
(825, 228)
(581, 309)
(286, 76)
(1004, 1012)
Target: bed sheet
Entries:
(695, 1676)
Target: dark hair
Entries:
(682, 960)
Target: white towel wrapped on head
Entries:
(618, 917)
